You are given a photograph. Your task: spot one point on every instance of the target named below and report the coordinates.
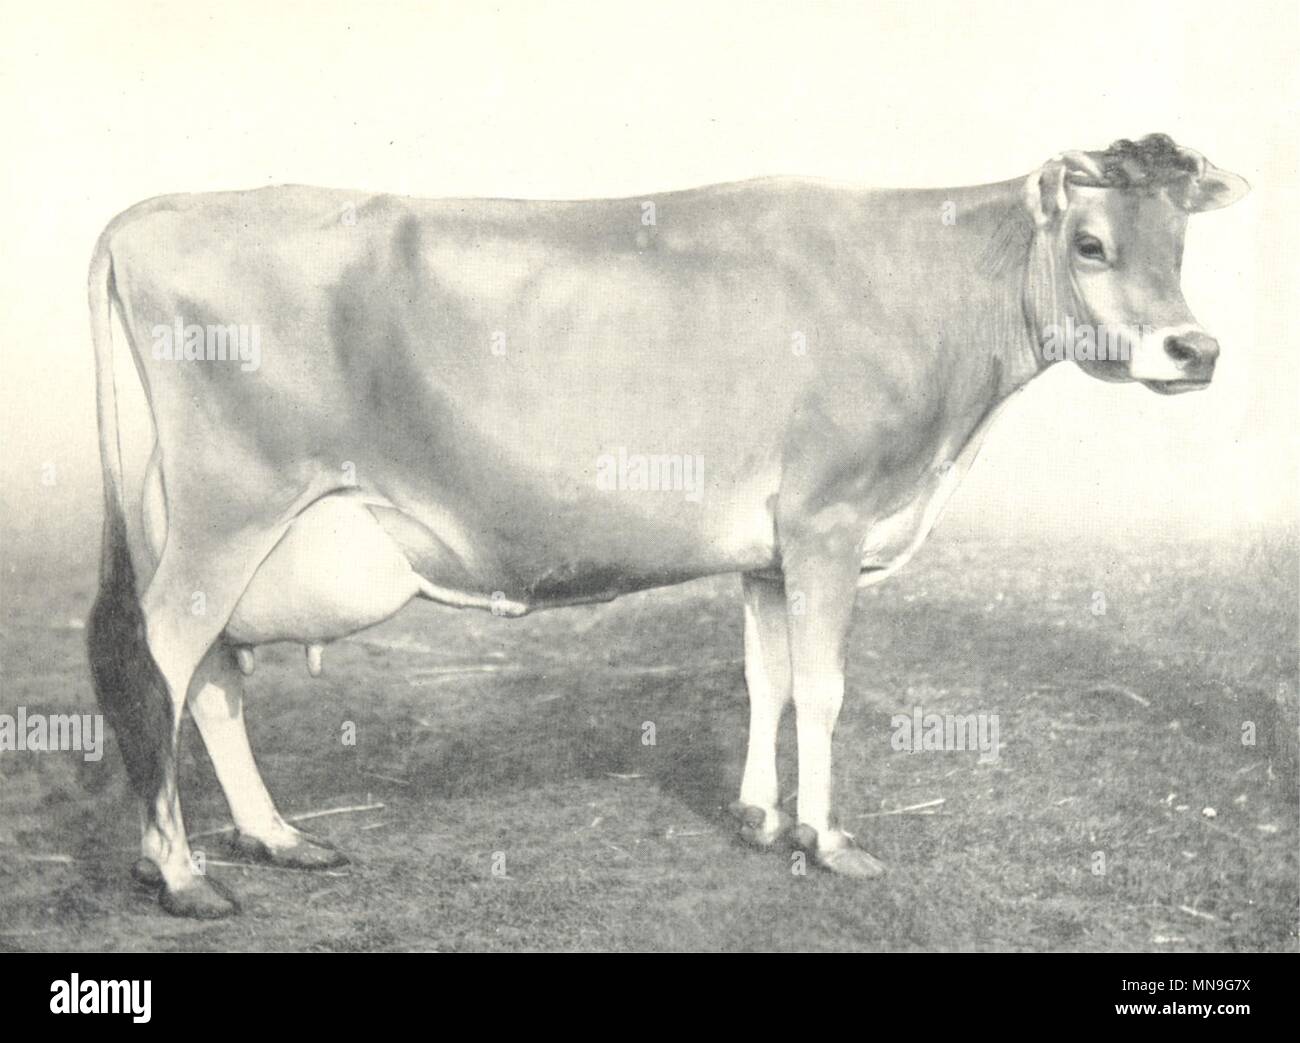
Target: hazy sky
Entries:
(104, 105)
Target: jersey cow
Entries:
(513, 405)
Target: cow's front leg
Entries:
(767, 677)
(821, 581)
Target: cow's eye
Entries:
(1089, 247)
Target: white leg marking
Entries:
(819, 626)
(217, 706)
(767, 676)
(817, 706)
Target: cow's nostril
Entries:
(1179, 350)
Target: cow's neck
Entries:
(1003, 291)
(1025, 285)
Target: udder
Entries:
(336, 571)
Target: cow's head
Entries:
(1106, 255)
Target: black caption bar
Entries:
(141, 992)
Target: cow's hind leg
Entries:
(217, 705)
(136, 700)
(767, 676)
(185, 607)
(139, 698)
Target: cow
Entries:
(456, 400)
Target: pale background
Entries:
(102, 105)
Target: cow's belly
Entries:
(579, 560)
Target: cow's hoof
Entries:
(145, 872)
(838, 853)
(759, 827)
(851, 862)
(302, 852)
(199, 899)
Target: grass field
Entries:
(518, 744)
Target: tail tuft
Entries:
(128, 683)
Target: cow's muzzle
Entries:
(1192, 355)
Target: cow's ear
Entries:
(1212, 189)
(1045, 196)
(1045, 193)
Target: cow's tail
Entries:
(128, 684)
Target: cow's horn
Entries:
(1077, 163)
